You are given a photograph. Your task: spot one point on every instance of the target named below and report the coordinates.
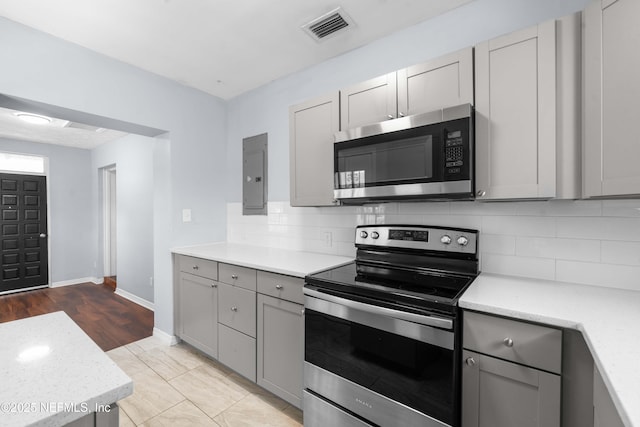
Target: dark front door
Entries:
(23, 232)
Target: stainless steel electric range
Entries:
(382, 334)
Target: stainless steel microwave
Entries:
(424, 156)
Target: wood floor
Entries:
(110, 320)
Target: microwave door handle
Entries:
(438, 322)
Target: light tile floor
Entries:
(177, 386)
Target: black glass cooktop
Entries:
(422, 288)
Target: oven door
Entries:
(388, 366)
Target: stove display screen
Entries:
(413, 235)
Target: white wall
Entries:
(70, 194)
(133, 158)
(38, 67)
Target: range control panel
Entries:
(430, 238)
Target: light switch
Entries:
(186, 215)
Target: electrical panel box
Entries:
(254, 175)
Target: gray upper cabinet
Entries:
(527, 113)
(611, 108)
(371, 101)
(312, 126)
(442, 82)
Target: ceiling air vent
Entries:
(328, 24)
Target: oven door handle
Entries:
(438, 322)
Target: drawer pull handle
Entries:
(234, 276)
(195, 267)
(508, 342)
(213, 285)
(234, 308)
(279, 287)
(470, 361)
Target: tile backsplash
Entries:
(591, 242)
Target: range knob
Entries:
(374, 235)
(462, 241)
(445, 240)
(364, 234)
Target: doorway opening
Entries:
(110, 225)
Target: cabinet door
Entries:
(281, 348)
(443, 82)
(516, 114)
(611, 109)
(372, 101)
(198, 313)
(312, 126)
(605, 413)
(496, 393)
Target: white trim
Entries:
(13, 291)
(134, 298)
(165, 337)
(94, 280)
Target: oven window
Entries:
(408, 371)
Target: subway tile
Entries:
(568, 249)
(497, 244)
(483, 208)
(560, 208)
(519, 225)
(621, 208)
(601, 228)
(419, 208)
(624, 253)
(606, 275)
(537, 268)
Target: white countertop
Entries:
(52, 373)
(283, 261)
(608, 319)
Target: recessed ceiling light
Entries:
(34, 119)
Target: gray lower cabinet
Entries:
(281, 348)
(498, 393)
(198, 312)
(510, 373)
(605, 413)
(108, 416)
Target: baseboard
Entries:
(134, 298)
(165, 337)
(76, 281)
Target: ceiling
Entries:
(222, 47)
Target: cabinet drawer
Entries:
(198, 266)
(280, 286)
(525, 343)
(237, 308)
(238, 276)
(237, 351)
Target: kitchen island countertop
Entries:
(608, 319)
(282, 261)
(52, 373)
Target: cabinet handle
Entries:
(234, 276)
(400, 114)
(234, 308)
(470, 361)
(390, 117)
(213, 285)
(279, 287)
(195, 267)
(481, 193)
(302, 311)
(508, 342)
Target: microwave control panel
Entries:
(456, 151)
